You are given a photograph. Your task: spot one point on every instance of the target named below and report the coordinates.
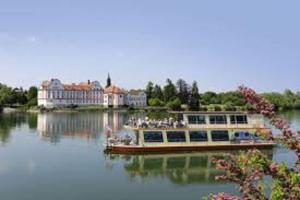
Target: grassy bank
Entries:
(92, 108)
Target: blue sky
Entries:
(221, 44)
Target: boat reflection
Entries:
(186, 168)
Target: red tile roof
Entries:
(114, 89)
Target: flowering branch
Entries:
(248, 169)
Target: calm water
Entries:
(60, 156)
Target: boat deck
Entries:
(121, 148)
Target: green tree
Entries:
(169, 91)
(174, 104)
(210, 98)
(155, 102)
(32, 93)
(5, 92)
(157, 92)
(194, 103)
(183, 90)
(149, 90)
(232, 98)
(278, 100)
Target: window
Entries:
(153, 136)
(196, 119)
(219, 136)
(218, 119)
(238, 119)
(198, 136)
(176, 136)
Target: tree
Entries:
(174, 104)
(155, 102)
(32, 93)
(183, 91)
(232, 98)
(4, 93)
(210, 98)
(249, 169)
(157, 92)
(194, 103)
(169, 91)
(277, 99)
(149, 90)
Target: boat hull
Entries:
(122, 149)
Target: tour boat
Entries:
(194, 131)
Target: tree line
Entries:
(18, 96)
(174, 95)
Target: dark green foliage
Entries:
(183, 90)
(158, 93)
(229, 107)
(32, 93)
(155, 102)
(194, 101)
(17, 96)
(233, 98)
(217, 108)
(174, 104)
(169, 91)
(149, 90)
(209, 97)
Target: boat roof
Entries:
(210, 112)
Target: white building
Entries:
(55, 94)
(136, 98)
(114, 96)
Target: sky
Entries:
(220, 44)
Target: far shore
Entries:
(80, 109)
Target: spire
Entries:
(108, 82)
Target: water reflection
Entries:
(187, 168)
(84, 125)
(14, 120)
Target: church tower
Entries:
(108, 82)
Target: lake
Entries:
(60, 156)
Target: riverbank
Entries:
(81, 109)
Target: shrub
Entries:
(174, 104)
(155, 102)
(217, 108)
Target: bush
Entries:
(217, 108)
(203, 108)
(155, 102)
(174, 104)
(32, 102)
(229, 107)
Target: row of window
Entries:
(71, 94)
(179, 136)
(217, 119)
(137, 98)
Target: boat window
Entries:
(176, 136)
(219, 136)
(217, 119)
(238, 119)
(196, 119)
(153, 136)
(198, 136)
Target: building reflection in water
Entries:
(186, 168)
(89, 125)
